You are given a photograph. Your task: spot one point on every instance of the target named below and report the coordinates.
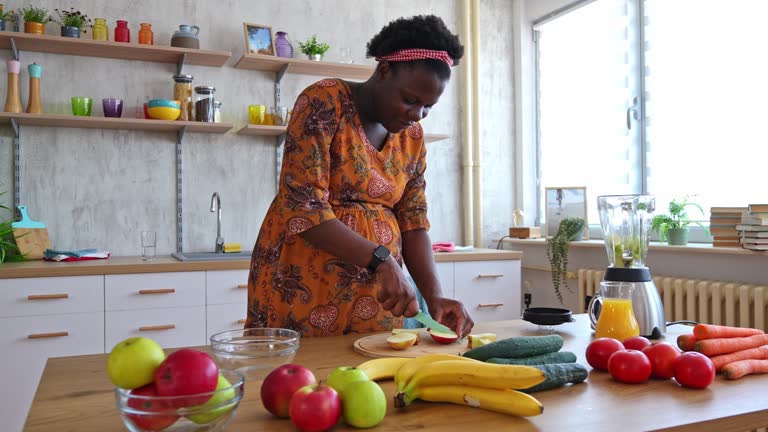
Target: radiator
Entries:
(705, 301)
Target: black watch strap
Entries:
(380, 254)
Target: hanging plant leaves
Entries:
(557, 252)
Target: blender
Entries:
(626, 224)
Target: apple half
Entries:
(402, 341)
(442, 337)
(480, 339)
(414, 331)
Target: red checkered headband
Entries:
(417, 54)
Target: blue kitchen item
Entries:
(25, 221)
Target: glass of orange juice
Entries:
(616, 318)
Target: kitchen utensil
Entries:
(430, 323)
(617, 319)
(255, 351)
(376, 346)
(31, 236)
(34, 103)
(163, 109)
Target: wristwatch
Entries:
(380, 254)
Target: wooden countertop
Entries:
(166, 263)
(75, 394)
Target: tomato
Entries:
(629, 366)
(599, 350)
(662, 357)
(694, 370)
(636, 343)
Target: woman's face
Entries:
(405, 95)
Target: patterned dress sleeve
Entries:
(302, 197)
(411, 210)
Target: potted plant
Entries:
(34, 19)
(314, 49)
(8, 249)
(674, 226)
(570, 229)
(72, 22)
(6, 15)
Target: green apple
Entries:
(341, 376)
(364, 404)
(218, 398)
(132, 362)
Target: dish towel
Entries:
(78, 255)
(449, 247)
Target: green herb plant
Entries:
(312, 46)
(71, 18)
(34, 14)
(676, 219)
(8, 249)
(569, 229)
(7, 15)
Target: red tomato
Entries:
(694, 370)
(662, 357)
(629, 366)
(599, 350)
(636, 343)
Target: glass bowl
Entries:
(142, 413)
(255, 351)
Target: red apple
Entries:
(281, 384)
(443, 337)
(187, 372)
(149, 422)
(315, 408)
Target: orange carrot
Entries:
(686, 342)
(710, 331)
(741, 368)
(713, 347)
(721, 360)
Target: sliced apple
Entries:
(444, 338)
(480, 339)
(414, 331)
(402, 341)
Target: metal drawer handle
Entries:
(481, 305)
(158, 291)
(48, 335)
(241, 321)
(47, 296)
(489, 276)
(242, 286)
(158, 327)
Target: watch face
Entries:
(381, 252)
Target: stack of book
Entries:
(753, 228)
(722, 225)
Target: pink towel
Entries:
(443, 246)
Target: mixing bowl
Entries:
(164, 109)
(255, 351)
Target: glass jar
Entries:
(182, 92)
(204, 103)
(100, 30)
(146, 37)
(122, 32)
(217, 111)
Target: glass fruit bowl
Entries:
(145, 411)
(255, 351)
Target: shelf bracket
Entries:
(14, 51)
(16, 163)
(180, 135)
(278, 78)
(15, 126)
(179, 190)
(180, 63)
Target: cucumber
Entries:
(551, 358)
(517, 346)
(559, 375)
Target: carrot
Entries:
(686, 342)
(713, 347)
(741, 368)
(710, 331)
(721, 360)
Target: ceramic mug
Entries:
(81, 106)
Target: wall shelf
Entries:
(70, 121)
(306, 67)
(115, 50)
(261, 130)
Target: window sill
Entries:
(699, 248)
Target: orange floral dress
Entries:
(330, 170)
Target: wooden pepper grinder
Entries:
(34, 105)
(12, 100)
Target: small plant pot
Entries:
(678, 236)
(315, 57)
(34, 28)
(2, 25)
(70, 31)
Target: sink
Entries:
(211, 256)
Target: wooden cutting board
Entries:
(376, 346)
(32, 242)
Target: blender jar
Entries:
(626, 224)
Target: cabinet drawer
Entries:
(490, 290)
(227, 286)
(51, 295)
(225, 317)
(156, 290)
(170, 328)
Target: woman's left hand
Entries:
(450, 313)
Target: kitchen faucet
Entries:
(216, 207)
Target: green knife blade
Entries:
(430, 323)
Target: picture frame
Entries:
(562, 202)
(259, 39)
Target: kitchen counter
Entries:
(166, 263)
(75, 394)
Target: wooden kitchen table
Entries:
(75, 394)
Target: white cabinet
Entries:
(52, 295)
(154, 290)
(225, 317)
(226, 287)
(445, 276)
(171, 327)
(490, 290)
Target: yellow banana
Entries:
(383, 368)
(406, 371)
(476, 374)
(503, 401)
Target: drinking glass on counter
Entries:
(112, 107)
(148, 245)
(269, 116)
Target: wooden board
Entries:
(32, 242)
(376, 346)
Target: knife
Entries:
(430, 323)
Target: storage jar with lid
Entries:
(186, 37)
(182, 92)
(204, 103)
(122, 32)
(100, 30)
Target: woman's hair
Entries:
(422, 31)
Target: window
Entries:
(696, 130)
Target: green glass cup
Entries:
(81, 106)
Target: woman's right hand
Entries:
(396, 294)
